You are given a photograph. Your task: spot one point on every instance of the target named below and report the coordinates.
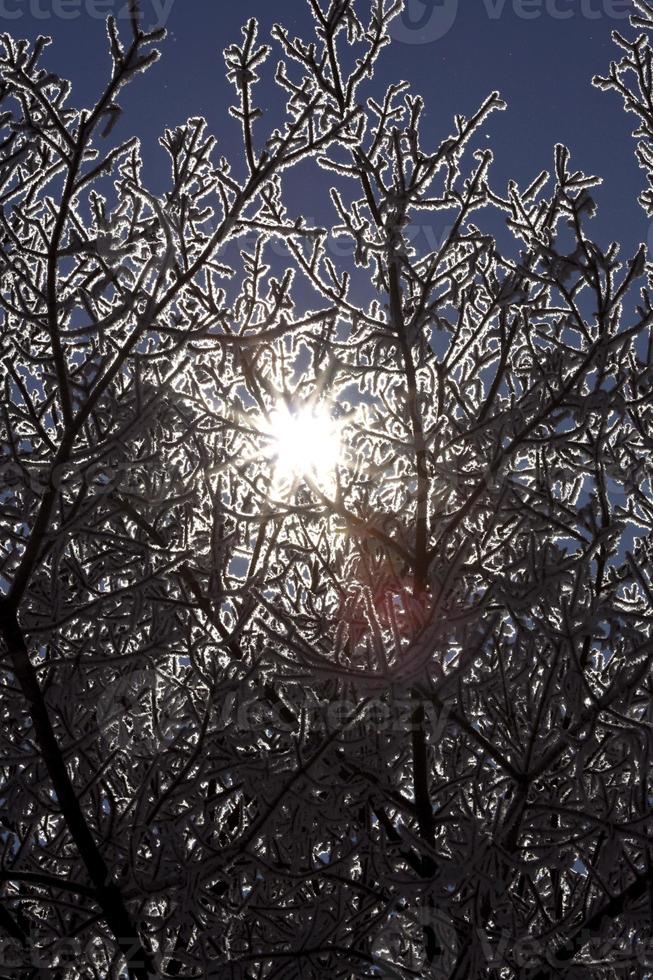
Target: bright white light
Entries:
(305, 442)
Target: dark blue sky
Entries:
(540, 54)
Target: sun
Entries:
(305, 442)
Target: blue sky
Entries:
(540, 54)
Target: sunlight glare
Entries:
(304, 443)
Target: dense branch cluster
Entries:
(391, 721)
